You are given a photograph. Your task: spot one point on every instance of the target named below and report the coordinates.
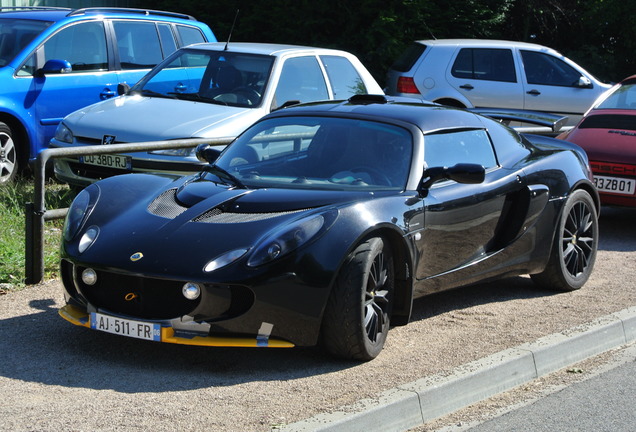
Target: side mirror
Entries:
(207, 153)
(584, 82)
(122, 89)
(466, 173)
(55, 67)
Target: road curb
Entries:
(412, 404)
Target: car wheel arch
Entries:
(403, 268)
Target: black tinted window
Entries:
(448, 149)
(408, 58)
(545, 69)
(485, 64)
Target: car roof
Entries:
(427, 116)
(266, 48)
(481, 42)
(57, 13)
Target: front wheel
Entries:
(574, 249)
(356, 320)
(8, 155)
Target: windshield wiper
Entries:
(224, 175)
(152, 93)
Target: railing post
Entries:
(34, 254)
(34, 224)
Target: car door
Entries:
(487, 77)
(552, 85)
(462, 222)
(53, 96)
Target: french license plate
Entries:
(108, 160)
(615, 185)
(125, 327)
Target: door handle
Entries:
(534, 92)
(106, 94)
(467, 87)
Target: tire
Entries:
(574, 249)
(357, 316)
(8, 155)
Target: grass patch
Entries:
(12, 224)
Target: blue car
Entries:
(54, 61)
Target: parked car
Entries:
(471, 73)
(607, 133)
(321, 222)
(204, 91)
(54, 61)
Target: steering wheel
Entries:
(251, 95)
(377, 175)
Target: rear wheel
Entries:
(356, 319)
(574, 249)
(8, 155)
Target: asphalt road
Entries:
(55, 376)
(602, 403)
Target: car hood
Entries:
(186, 223)
(607, 136)
(138, 118)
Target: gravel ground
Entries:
(55, 376)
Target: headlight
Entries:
(286, 239)
(223, 260)
(63, 134)
(79, 211)
(182, 152)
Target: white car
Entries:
(208, 90)
(473, 73)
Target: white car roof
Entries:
(490, 43)
(267, 49)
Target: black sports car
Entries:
(322, 222)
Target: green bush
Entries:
(12, 230)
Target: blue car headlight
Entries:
(288, 238)
(79, 211)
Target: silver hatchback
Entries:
(472, 73)
(211, 90)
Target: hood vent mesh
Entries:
(166, 206)
(217, 216)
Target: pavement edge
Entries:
(412, 404)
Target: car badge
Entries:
(108, 139)
(130, 296)
(136, 256)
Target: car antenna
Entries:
(231, 30)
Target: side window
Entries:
(138, 44)
(301, 79)
(190, 35)
(168, 44)
(545, 69)
(485, 64)
(343, 76)
(83, 45)
(448, 149)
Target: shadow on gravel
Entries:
(616, 226)
(44, 348)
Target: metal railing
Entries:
(36, 213)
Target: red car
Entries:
(607, 132)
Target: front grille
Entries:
(93, 171)
(142, 297)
